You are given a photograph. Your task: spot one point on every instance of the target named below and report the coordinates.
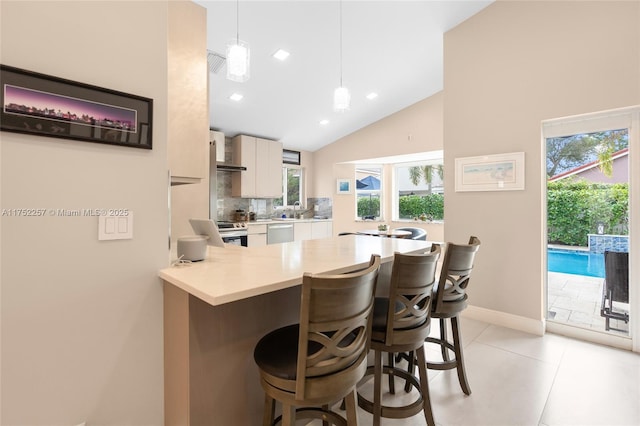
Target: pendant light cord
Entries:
(238, 22)
(340, 43)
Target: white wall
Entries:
(506, 69)
(81, 318)
(415, 129)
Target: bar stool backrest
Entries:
(456, 272)
(335, 329)
(412, 279)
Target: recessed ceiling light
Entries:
(372, 96)
(281, 54)
(324, 122)
(236, 97)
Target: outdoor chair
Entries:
(616, 287)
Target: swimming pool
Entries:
(576, 262)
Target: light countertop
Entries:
(235, 273)
(285, 220)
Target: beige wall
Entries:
(417, 128)
(81, 318)
(507, 69)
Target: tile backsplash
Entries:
(263, 207)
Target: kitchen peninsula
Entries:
(216, 310)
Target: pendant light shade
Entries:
(238, 54)
(238, 58)
(341, 99)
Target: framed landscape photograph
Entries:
(501, 172)
(43, 105)
(343, 186)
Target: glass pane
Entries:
(587, 215)
(294, 186)
(368, 192)
(420, 191)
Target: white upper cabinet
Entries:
(263, 160)
(188, 110)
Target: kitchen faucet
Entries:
(296, 204)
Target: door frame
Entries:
(623, 118)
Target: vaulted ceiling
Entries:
(391, 48)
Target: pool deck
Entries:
(576, 300)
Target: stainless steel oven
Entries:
(234, 233)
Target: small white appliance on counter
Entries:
(192, 247)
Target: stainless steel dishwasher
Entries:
(279, 233)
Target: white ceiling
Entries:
(393, 48)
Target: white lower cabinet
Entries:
(257, 235)
(302, 231)
(321, 229)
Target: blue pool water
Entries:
(576, 262)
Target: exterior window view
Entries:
(588, 230)
(420, 191)
(368, 193)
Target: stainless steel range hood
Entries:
(216, 140)
(225, 167)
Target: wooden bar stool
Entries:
(310, 365)
(450, 298)
(401, 324)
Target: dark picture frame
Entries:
(43, 105)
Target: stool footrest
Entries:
(445, 365)
(394, 412)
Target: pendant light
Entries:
(238, 54)
(341, 96)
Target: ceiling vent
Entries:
(216, 61)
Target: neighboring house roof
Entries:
(592, 173)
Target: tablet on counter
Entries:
(208, 228)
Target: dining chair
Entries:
(310, 365)
(450, 299)
(401, 323)
(416, 233)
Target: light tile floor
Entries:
(576, 300)
(521, 379)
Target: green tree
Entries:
(569, 152)
(416, 173)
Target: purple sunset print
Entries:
(28, 102)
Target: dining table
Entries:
(389, 233)
(216, 310)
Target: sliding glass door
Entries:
(589, 231)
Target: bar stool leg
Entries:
(269, 411)
(410, 369)
(457, 344)
(288, 415)
(443, 338)
(392, 383)
(424, 386)
(377, 388)
(350, 402)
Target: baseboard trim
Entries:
(504, 319)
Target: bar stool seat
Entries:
(310, 365)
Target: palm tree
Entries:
(426, 172)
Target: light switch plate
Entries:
(112, 227)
